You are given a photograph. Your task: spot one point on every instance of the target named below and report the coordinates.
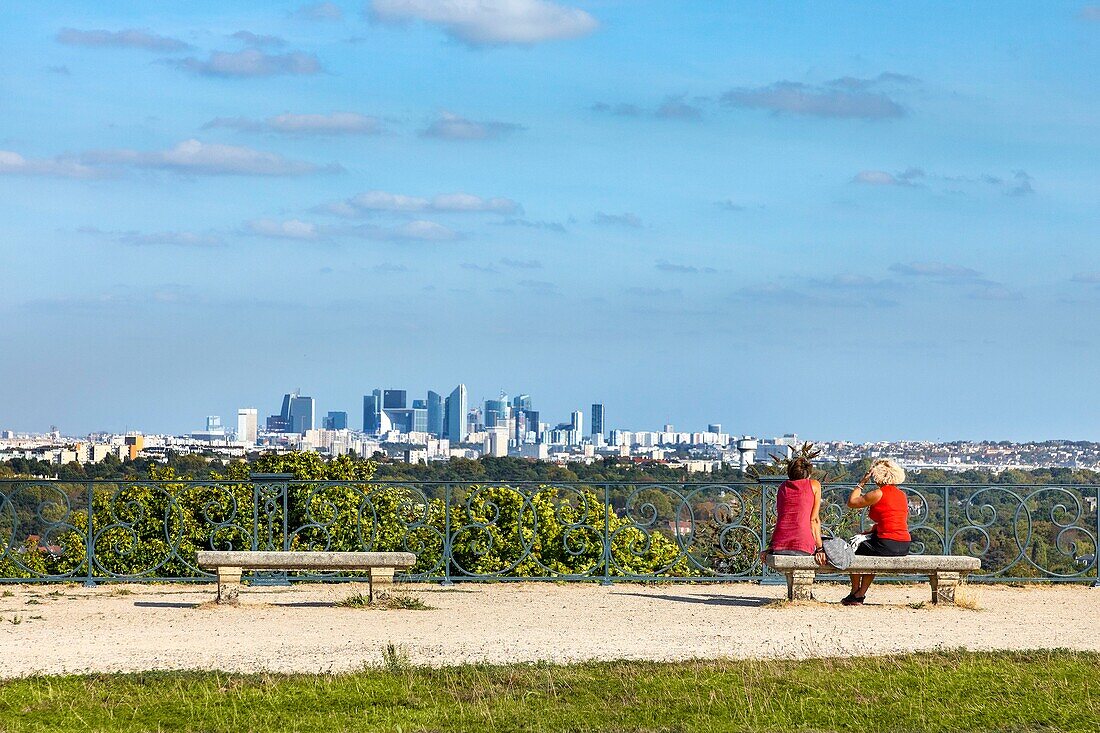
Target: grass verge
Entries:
(385, 601)
(945, 691)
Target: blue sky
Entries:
(849, 220)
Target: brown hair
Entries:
(800, 468)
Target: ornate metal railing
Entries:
(150, 530)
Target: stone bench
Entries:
(229, 565)
(944, 571)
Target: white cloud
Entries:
(251, 63)
(193, 156)
(908, 177)
(257, 40)
(418, 230)
(626, 219)
(425, 231)
(491, 22)
(995, 291)
(128, 38)
(372, 201)
(940, 270)
(673, 267)
(288, 229)
(449, 126)
(170, 239)
(838, 99)
(14, 164)
(337, 123)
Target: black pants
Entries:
(878, 547)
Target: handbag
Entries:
(838, 552)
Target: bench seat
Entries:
(945, 572)
(228, 564)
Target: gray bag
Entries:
(838, 552)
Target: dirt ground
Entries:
(60, 629)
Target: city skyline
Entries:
(869, 222)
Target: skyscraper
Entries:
(597, 419)
(298, 415)
(335, 421)
(497, 411)
(576, 426)
(456, 409)
(372, 412)
(247, 424)
(435, 414)
(394, 399)
(303, 414)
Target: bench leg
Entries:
(800, 585)
(380, 576)
(229, 586)
(943, 587)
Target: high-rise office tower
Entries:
(335, 421)
(435, 413)
(456, 408)
(497, 412)
(372, 412)
(521, 402)
(303, 414)
(576, 426)
(715, 427)
(394, 399)
(247, 425)
(597, 419)
(532, 420)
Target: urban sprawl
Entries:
(438, 428)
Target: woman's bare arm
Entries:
(815, 523)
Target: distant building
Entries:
(247, 427)
(135, 443)
(597, 419)
(714, 427)
(298, 414)
(303, 414)
(576, 426)
(372, 413)
(435, 414)
(214, 432)
(394, 399)
(335, 421)
(455, 418)
(497, 411)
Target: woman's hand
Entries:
(820, 558)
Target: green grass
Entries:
(948, 691)
(385, 601)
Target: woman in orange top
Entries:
(889, 510)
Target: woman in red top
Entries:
(798, 514)
(889, 510)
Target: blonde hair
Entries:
(885, 471)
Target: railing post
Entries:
(89, 546)
(946, 520)
(766, 578)
(606, 535)
(447, 496)
(263, 485)
(1096, 542)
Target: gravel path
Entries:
(297, 629)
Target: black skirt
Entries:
(880, 547)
